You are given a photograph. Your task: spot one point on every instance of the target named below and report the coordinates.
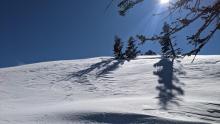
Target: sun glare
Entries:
(164, 1)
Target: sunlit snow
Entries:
(102, 90)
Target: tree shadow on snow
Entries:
(101, 68)
(169, 86)
(123, 118)
(115, 64)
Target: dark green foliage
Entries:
(118, 48)
(131, 51)
(167, 46)
(125, 5)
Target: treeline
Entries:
(131, 51)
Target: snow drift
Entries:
(103, 90)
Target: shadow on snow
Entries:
(124, 118)
(102, 68)
(169, 86)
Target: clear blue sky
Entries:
(44, 30)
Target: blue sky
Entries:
(46, 30)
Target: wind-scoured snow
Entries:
(148, 90)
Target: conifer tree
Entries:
(131, 51)
(150, 52)
(167, 45)
(184, 14)
(118, 48)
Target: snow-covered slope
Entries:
(102, 90)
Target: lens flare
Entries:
(164, 1)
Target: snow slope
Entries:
(102, 90)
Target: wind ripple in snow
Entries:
(44, 85)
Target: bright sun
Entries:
(164, 1)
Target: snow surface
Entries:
(146, 90)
